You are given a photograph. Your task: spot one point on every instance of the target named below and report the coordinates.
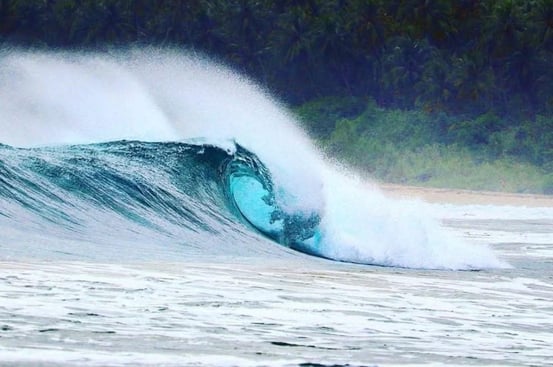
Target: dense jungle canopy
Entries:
(480, 70)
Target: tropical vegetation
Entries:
(380, 83)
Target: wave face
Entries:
(152, 152)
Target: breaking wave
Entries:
(156, 151)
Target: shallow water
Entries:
(293, 310)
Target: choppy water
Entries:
(255, 311)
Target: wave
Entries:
(156, 150)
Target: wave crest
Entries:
(165, 193)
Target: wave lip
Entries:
(252, 194)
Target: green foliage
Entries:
(548, 185)
(374, 140)
(464, 57)
(478, 73)
(421, 148)
(475, 132)
(408, 129)
(320, 115)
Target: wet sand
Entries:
(466, 197)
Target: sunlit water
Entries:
(258, 311)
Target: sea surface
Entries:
(158, 209)
(288, 312)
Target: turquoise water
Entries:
(188, 198)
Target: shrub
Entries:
(548, 185)
(321, 115)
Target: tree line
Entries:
(487, 63)
(465, 56)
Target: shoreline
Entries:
(465, 197)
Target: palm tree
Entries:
(435, 90)
(425, 18)
(99, 22)
(292, 48)
(28, 19)
(474, 82)
(505, 27)
(7, 16)
(403, 67)
(541, 19)
(245, 31)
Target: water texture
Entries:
(157, 209)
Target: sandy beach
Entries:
(466, 197)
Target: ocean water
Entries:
(159, 209)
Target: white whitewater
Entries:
(162, 95)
